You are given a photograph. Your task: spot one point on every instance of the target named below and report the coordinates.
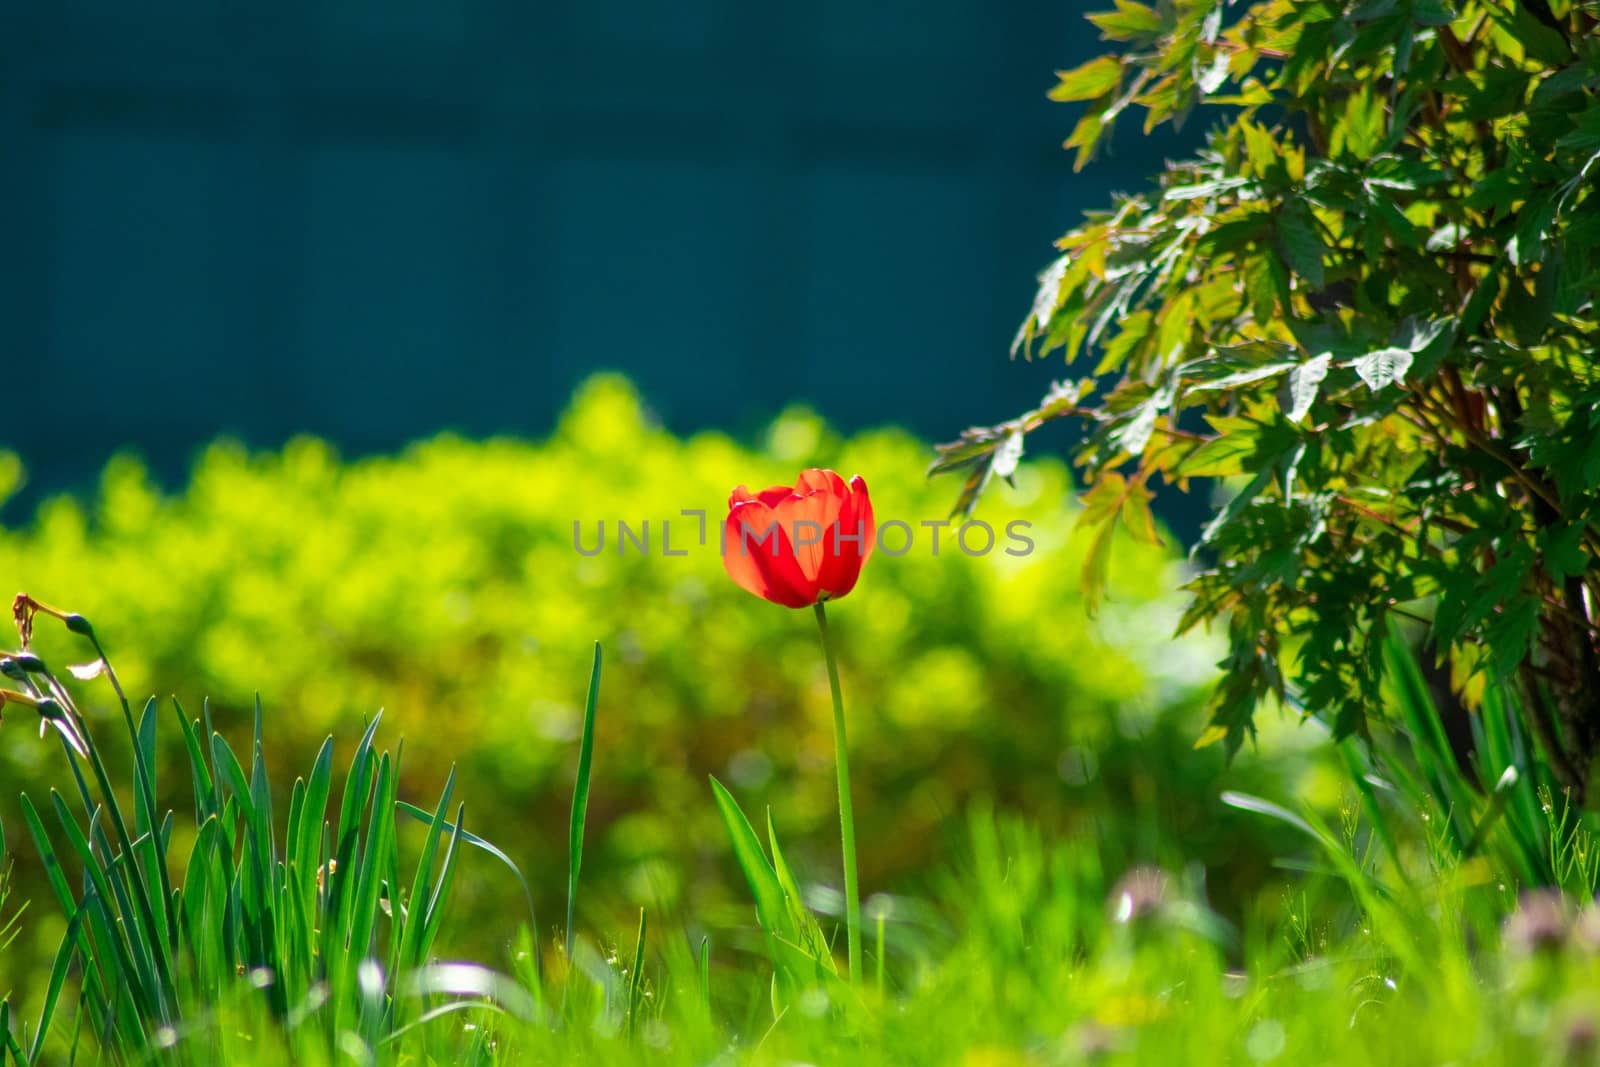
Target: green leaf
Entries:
(763, 881)
(205, 795)
(1219, 457)
(1368, 10)
(1540, 42)
(1447, 237)
(305, 847)
(984, 453)
(426, 818)
(1477, 306)
(1528, 313)
(1386, 366)
(1363, 128)
(1236, 505)
(1093, 79)
(1134, 434)
(145, 769)
(1137, 518)
(1299, 243)
(1417, 335)
(1259, 806)
(339, 881)
(416, 918)
(1208, 190)
(580, 796)
(1241, 446)
(1248, 376)
(636, 974)
(803, 928)
(434, 909)
(1130, 21)
(1304, 382)
(109, 967)
(372, 867)
(1045, 301)
(232, 774)
(1511, 636)
(131, 942)
(1096, 568)
(1564, 551)
(1533, 225)
(1085, 137)
(1431, 13)
(58, 978)
(1450, 790)
(1215, 76)
(1261, 148)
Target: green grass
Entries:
(315, 933)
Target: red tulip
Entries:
(802, 547)
(799, 546)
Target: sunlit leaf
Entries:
(1304, 381)
(1094, 78)
(1386, 366)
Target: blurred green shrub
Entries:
(443, 584)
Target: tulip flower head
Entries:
(802, 545)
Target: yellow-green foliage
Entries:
(443, 585)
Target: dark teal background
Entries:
(373, 220)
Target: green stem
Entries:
(847, 818)
(880, 951)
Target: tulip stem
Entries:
(847, 818)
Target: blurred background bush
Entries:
(443, 585)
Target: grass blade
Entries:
(205, 794)
(636, 977)
(1430, 747)
(705, 973)
(108, 972)
(441, 890)
(580, 796)
(58, 977)
(416, 913)
(426, 817)
(138, 981)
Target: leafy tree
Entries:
(1368, 304)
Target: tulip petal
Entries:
(808, 520)
(851, 543)
(758, 555)
(863, 515)
(771, 496)
(814, 480)
(819, 494)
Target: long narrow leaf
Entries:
(580, 797)
(636, 976)
(426, 817)
(416, 915)
(205, 794)
(58, 978)
(441, 889)
(764, 885)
